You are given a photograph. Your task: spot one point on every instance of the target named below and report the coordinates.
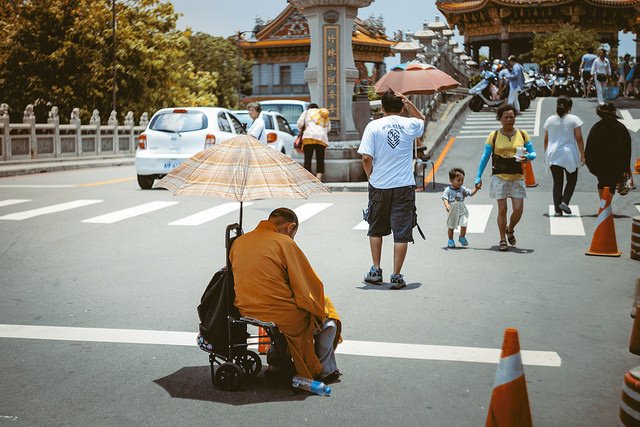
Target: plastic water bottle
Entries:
(317, 387)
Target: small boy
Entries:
(453, 198)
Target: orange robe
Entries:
(274, 282)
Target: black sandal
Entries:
(511, 237)
(502, 246)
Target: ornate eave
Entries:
(465, 6)
(290, 31)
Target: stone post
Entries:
(74, 119)
(29, 118)
(113, 124)
(331, 72)
(54, 119)
(95, 121)
(129, 124)
(4, 121)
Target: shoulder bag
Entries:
(297, 143)
(501, 165)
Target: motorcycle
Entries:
(560, 84)
(482, 92)
(539, 85)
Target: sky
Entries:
(224, 17)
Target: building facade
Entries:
(507, 26)
(280, 52)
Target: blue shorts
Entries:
(392, 209)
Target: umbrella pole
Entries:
(240, 215)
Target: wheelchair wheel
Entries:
(250, 363)
(229, 377)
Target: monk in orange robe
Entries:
(274, 282)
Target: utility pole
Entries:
(113, 47)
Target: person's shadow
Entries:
(194, 382)
(513, 249)
(384, 286)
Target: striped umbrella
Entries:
(241, 169)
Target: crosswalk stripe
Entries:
(478, 218)
(10, 202)
(638, 207)
(19, 216)
(486, 130)
(120, 215)
(308, 210)
(566, 225)
(210, 214)
(362, 225)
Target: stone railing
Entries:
(30, 140)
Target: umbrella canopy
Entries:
(415, 79)
(241, 169)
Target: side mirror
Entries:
(296, 132)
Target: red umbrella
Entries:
(415, 79)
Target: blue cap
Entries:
(327, 390)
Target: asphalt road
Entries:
(143, 273)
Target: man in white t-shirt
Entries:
(257, 128)
(387, 158)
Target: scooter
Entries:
(481, 93)
(560, 83)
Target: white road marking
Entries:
(536, 131)
(485, 130)
(37, 186)
(628, 120)
(362, 225)
(308, 210)
(566, 225)
(10, 202)
(210, 214)
(478, 218)
(19, 216)
(638, 207)
(123, 214)
(348, 347)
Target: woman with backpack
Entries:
(508, 149)
(564, 152)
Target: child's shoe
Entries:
(397, 281)
(463, 241)
(374, 276)
(451, 243)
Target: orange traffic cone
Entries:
(630, 402)
(509, 401)
(529, 177)
(604, 238)
(637, 166)
(263, 343)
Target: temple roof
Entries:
(463, 6)
(290, 28)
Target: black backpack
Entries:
(217, 303)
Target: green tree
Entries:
(222, 56)
(568, 40)
(60, 53)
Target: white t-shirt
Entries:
(389, 140)
(563, 149)
(257, 130)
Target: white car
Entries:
(175, 134)
(289, 108)
(279, 135)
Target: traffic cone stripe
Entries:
(603, 215)
(509, 369)
(628, 411)
(631, 398)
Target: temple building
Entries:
(507, 26)
(280, 52)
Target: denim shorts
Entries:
(392, 209)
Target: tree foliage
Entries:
(571, 41)
(61, 53)
(222, 57)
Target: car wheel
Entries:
(146, 181)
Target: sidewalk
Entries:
(436, 133)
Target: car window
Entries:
(244, 118)
(290, 112)
(187, 121)
(283, 125)
(268, 121)
(223, 123)
(237, 125)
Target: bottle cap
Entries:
(327, 390)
